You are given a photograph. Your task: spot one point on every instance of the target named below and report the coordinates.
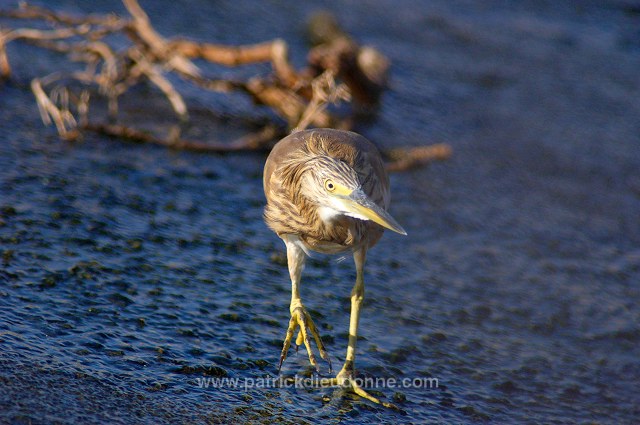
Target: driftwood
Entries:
(339, 70)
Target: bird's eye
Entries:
(329, 185)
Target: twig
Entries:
(284, 102)
(64, 121)
(5, 68)
(325, 92)
(252, 142)
(154, 74)
(403, 159)
(157, 45)
(29, 11)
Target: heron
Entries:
(327, 191)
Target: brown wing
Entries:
(281, 153)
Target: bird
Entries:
(327, 191)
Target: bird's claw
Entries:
(345, 379)
(300, 318)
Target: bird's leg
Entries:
(346, 374)
(300, 318)
(357, 295)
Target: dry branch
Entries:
(253, 142)
(325, 92)
(339, 70)
(50, 112)
(402, 159)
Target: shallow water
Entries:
(130, 272)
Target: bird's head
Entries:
(335, 188)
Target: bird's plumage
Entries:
(294, 202)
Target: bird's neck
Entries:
(327, 214)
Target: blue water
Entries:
(128, 273)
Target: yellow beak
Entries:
(360, 204)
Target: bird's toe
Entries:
(301, 319)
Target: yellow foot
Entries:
(300, 318)
(345, 380)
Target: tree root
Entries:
(338, 71)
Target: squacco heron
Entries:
(327, 191)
